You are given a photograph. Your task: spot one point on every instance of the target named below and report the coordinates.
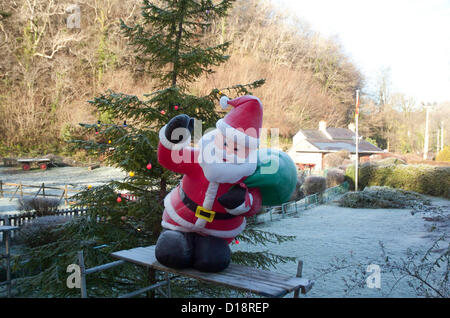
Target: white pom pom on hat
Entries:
(224, 102)
(244, 120)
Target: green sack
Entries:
(275, 176)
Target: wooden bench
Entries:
(261, 282)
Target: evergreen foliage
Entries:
(444, 154)
(423, 179)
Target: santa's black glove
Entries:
(179, 121)
(233, 198)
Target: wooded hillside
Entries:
(48, 71)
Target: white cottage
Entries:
(310, 146)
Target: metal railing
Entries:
(294, 207)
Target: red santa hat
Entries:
(244, 121)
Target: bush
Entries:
(383, 197)
(444, 154)
(430, 180)
(42, 206)
(40, 231)
(335, 177)
(391, 161)
(336, 159)
(298, 193)
(314, 184)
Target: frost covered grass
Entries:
(40, 230)
(337, 244)
(383, 197)
(77, 177)
(42, 206)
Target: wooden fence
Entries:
(23, 218)
(19, 189)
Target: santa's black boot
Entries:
(211, 254)
(174, 249)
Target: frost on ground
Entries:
(335, 243)
(75, 177)
(383, 197)
(332, 240)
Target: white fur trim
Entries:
(173, 214)
(210, 195)
(170, 145)
(226, 234)
(250, 141)
(242, 208)
(186, 226)
(224, 102)
(208, 202)
(170, 226)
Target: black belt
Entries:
(202, 213)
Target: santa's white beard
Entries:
(216, 169)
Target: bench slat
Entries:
(241, 277)
(235, 270)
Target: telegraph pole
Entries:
(356, 140)
(425, 144)
(428, 107)
(437, 140)
(442, 135)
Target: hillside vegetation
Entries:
(48, 71)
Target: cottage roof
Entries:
(335, 139)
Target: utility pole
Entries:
(428, 107)
(425, 144)
(442, 135)
(437, 140)
(356, 140)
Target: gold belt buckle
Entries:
(201, 211)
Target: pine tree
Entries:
(169, 45)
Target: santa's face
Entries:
(223, 160)
(232, 151)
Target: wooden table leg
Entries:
(299, 274)
(152, 280)
(8, 264)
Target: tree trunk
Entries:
(177, 46)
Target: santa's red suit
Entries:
(177, 216)
(187, 206)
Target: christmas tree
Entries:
(169, 45)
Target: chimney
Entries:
(351, 126)
(323, 126)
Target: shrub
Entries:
(42, 206)
(430, 180)
(40, 231)
(298, 193)
(391, 161)
(314, 184)
(336, 159)
(444, 154)
(335, 177)
(383, 197)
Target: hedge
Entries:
(444, 154)
(430, 180)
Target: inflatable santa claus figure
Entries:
(207, 210)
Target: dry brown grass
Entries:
(49, 72)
